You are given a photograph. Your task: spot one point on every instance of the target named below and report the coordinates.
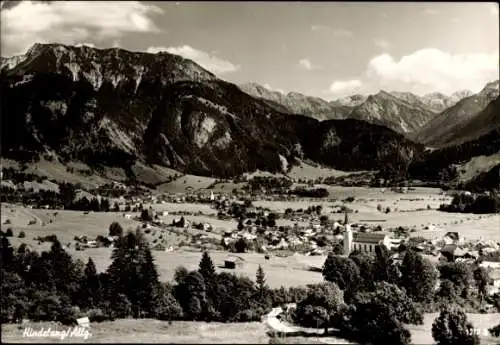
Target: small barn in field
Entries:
(233, 261)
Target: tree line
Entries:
(51, 286)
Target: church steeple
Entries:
(346, 219)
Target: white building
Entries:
(363, 241)
(366, 242)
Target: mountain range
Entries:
(403, 112)
(114, 107)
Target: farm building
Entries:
(233, 262)
(452, 238)
(452, 252)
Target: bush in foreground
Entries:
(452, 327)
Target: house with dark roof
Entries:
(367, 241)
(451, 252)
(233, 261)
(452, 238)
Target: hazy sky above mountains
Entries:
(322, 49)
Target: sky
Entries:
(323, 49)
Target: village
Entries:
(310, 232)
(245, 225)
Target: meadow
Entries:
(154, 331)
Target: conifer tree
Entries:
(206, 267)
(91, 294)
(149, 280)
(261, 283)
(261, 279)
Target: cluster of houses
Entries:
(82, 242)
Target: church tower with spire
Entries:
(347, 236)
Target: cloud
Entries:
(267, 86)
(70, 22)
(343, 88)
(381, 43)
(429, 70)
(341, 33)
(306, 64)
(91, 45)
(208, 61)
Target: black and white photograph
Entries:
(250, 172)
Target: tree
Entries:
(365, 265)
(460, 274)
(182, 222)
(240, 245)
(377, 317)
(343, 272)
(95, 205)
(104, 205)
(418, 276)
(319, 208)
(384, 269)
(191, 294)
(147, 215)
(91, 291)
(260, 279)
(447, 291)
(166, 307)
(206, 268)
(482, 280)
(67, 193)
(148, 279)
(66, 274)
(495, 331)
(133, 273)
(320, 305)
(115, 229)
(13, 297)
(452, 327)
(7, 252)
(180, 273)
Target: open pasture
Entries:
(182, 207)
(65, 224)
(308, 171)
(151, 331)
(155, 331)
(409, 210)
(280, 271)
(185, 184)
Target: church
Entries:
(362, 241)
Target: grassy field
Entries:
(410, 209)
(307, 171)
(154, 331)
(151, 331)
(65, 225)
(185, 184)
(280, 271)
